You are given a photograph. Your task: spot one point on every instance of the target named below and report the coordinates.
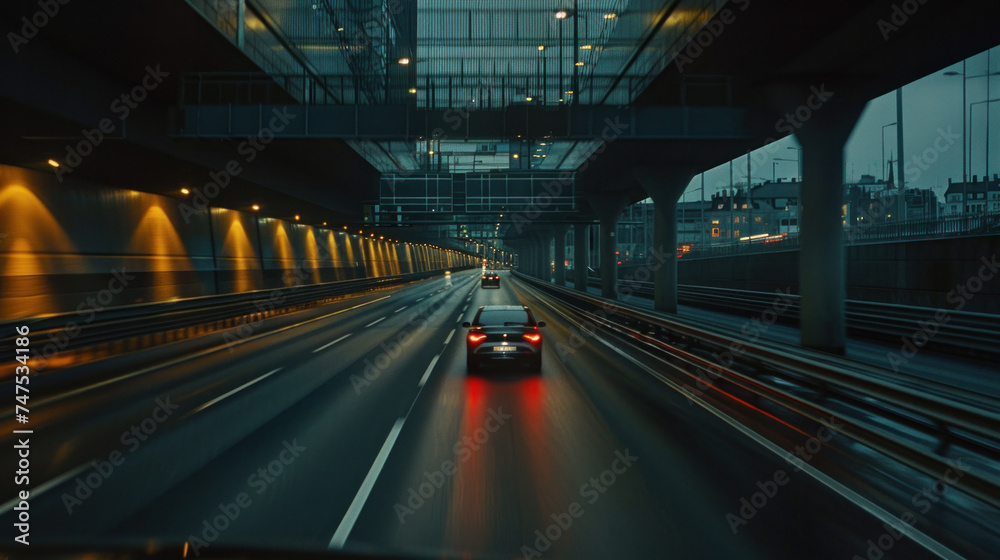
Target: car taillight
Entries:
(476, 338)
(532, 337)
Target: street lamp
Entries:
(774, 163)
(799, 160)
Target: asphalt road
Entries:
(359, 430)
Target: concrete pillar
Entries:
(664, 185)
(560, 253)
(608, 206)
(581, 236)
(822, 259)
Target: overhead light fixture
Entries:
(579, 63)
(526, 99)
(404, 61)
(561, 14)
(610, 16)
(53, 163)
(340, 29)
(185, 191)
(587, 47)
(324, 223)
(541, 47)
(515, 156)
(570, 92)
(296, 216)
(413, 90)
(431, 152)
(255, 207)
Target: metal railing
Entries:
(951, 417)
(861, 232)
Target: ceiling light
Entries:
(579, 63)
(185, 191)
(296, 216)
(561, 14)
(404, 61)
(587, 47)
(570, 92)
(515, 156)
(324, 223)
(255, 207)
(53, 163)
(541, 47)
(431, 152)
(340, 29)
(610, 16)
(413, 90)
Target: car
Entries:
(490, 279)
(504, 335)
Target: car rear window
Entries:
(500, 317)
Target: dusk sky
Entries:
(931, 105)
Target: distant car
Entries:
(490, 279)
(504, 334)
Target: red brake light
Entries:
(532, 337)
(476, 338)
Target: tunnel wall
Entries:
(923, 273)
(62, 244)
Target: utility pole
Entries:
(901, 189)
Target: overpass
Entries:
(269, 180)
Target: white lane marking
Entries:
(850, 495)
(234, 391)
(329, 344)
(422, 299)
(375, 322)
(430, 368)
(459, 318)
(451, 334)
(45, 487)
(351, 517)
(189, 357)
(400, 309)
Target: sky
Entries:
(932, 108)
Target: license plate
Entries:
(504, 349)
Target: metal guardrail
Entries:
(962, 417)
(135, 327)
(963, 332)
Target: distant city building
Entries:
(973, 197)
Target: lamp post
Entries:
(799, 150)
(774, 164)
(987, 102)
